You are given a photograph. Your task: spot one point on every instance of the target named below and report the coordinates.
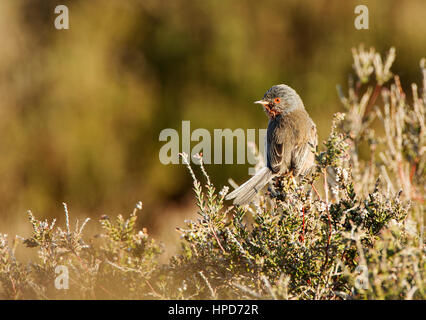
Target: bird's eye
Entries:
(277, 100)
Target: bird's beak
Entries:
(262, 102)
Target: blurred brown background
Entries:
(81, 109)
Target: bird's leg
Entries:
(272, 190)
(293, 180)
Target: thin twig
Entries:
(329, 218)
(376, 92)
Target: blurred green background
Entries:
(81, 109)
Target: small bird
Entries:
(291, 141)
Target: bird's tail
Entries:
(244, 193)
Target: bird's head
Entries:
(280, 100)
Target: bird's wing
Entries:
(303, 156)
(274, 149)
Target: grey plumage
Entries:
(290, 141)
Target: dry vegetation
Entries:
(358, 234)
